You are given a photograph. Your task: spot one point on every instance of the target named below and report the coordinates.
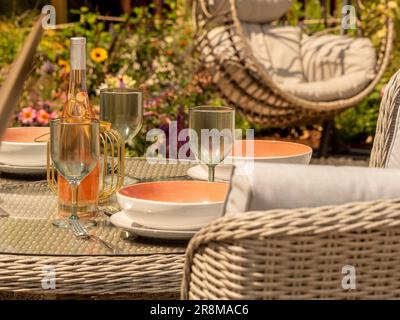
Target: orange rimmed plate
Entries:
(173, 205)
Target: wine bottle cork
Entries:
(78, 53)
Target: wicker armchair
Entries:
(243, 82)
(300, 253)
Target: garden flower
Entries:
(136, 66)
(27, 115)
(119, 81)
(54, 115)
(392, 5)
(64, 65)
(50, 33)
(169, 39)
(43, 117)
(98, 55)
(47, 67)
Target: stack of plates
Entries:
(123, 220)
(23, 150)
(169, 209)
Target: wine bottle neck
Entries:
(78, 105)
(77, 82)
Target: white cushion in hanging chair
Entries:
(277, 49)
(331, 56)
(342, 87)
(319, 68)
(335, 67)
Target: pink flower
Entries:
(121, 83)
(54, 115)
(43, 117)
(27, 115)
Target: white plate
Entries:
(22, 170)
(122, 220)
(200, 172)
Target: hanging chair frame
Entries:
(249, 87)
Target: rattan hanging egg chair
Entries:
(247, 46)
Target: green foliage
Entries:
(359, 123)
(156, 54)
(145, 51)
(12, 34)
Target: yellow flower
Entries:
(392, 5)
(98, 54)
(381, 33)
(50, 33)
(64, 64)
(381, 8)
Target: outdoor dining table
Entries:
(42, 261)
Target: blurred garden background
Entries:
(149, 45)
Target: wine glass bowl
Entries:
(75, 150)
(123, 108)
(211, 134)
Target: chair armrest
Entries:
(294, 253)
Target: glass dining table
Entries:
(41, 261)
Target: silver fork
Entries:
(81, 233)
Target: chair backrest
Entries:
(350, 251)
(11, 89)
(386, 149)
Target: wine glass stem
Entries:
(211, 173)
(74, 207)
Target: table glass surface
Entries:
(31, 207)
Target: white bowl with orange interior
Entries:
(247, 151)
(173, 205)
(271, 151)
(19, 148)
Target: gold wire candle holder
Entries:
(112, 164)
